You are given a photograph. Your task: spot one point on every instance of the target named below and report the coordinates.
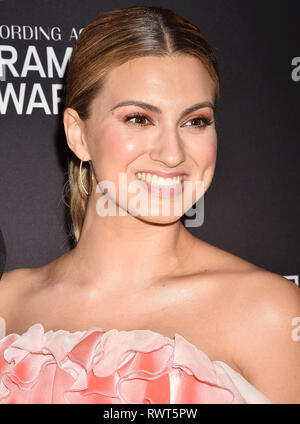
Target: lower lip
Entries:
(165, 191)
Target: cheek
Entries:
(211, 150)
(205, 152)
(124, 148)
(115, 147)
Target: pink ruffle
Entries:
(95, 366)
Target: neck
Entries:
(125, 252)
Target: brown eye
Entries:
(140, 118)
(205, 122)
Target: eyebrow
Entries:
(156, 109)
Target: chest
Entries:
(199, 321)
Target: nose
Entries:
(168, 149)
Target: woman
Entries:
(140, 310)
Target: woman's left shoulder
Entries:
(266, 333)
(271, 296)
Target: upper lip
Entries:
(163, 174)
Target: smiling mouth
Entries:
(158, 181)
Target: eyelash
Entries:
(206, 121)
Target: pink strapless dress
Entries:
(114, 367)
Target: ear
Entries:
(74, 133)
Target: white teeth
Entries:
(154, 179)
(159, 181)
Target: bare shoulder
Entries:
(264, 292)
(255, 318)
(14, 279)
(14, 286)
(263, 297)
(263, 333)
(10, 282)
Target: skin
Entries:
(114, 146)
(170, 281)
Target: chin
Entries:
(159, 220)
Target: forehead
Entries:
(167, 79)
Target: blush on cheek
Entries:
(204, 151)
(122, 150)
(123, 147)
(209, 145)
(212, 150)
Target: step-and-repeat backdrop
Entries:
(251, 208)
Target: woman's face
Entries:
(157, 137)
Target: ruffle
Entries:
(111, 367)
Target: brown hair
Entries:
(110, 40)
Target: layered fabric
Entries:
(114, 367)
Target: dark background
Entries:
(252, 208)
